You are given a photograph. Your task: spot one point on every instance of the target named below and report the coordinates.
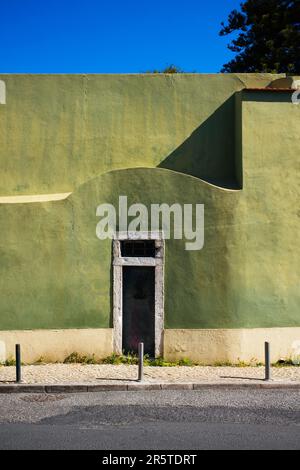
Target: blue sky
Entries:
(102, 36)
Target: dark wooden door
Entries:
(138, 309)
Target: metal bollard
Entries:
(18, 363)
(267, 361)
(141, 362)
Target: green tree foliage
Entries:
(267, 37)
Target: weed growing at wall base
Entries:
(296, 94)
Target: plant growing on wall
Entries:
(169, 69)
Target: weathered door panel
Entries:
(138, 309)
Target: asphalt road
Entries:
(206, 419)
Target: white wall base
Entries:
(204, 346)
(231, 345)
(56, 345)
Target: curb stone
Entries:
(107, 387)
(16, 388)
(144, 386)
(65, 388)
(76, 388)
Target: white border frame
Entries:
(158, 264)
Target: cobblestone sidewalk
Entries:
(118, 374)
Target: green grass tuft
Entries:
(10, 362)
(76, 358)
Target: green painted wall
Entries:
(55, 273)
(58, 131)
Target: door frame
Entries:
(158, 263)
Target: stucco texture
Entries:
(188, 139)
(58, 131)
